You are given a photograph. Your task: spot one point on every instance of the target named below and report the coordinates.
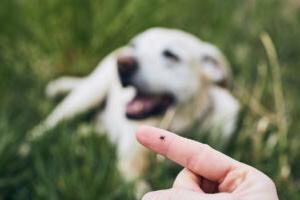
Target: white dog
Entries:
(165, 78)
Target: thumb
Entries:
(187, 180)
(177, 194)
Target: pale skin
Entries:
(207, 174)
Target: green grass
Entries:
(42, 40)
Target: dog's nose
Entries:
(127, 65)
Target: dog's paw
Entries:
(52, 90)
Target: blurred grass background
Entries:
(42, 40)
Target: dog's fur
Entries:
(169, 61)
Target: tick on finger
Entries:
(162, 137)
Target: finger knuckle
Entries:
(193, 162)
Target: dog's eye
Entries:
(209, 59)
(170, 55)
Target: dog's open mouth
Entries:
(146, 105)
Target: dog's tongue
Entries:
(144, 105)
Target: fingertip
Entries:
(142, 133)
(155, 139)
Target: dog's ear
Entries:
(215, 66)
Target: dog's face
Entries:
(167, 66)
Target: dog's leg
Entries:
(90, 92)
(133, 166)
(222, 120)
(62, 86)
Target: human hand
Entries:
(207, 174)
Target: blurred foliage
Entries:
(41, 40)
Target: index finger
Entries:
(197, 157)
